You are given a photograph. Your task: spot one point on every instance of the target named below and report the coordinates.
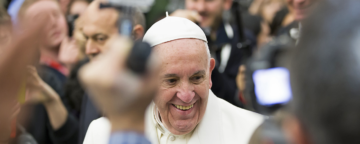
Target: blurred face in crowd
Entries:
(209, 10)
(98, 27)
(300, 8)
(185, 76)
(64, 4)
(56, 28)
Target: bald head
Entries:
(56, 26)
(103, 17)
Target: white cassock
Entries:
(222, 123)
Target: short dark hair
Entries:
(325, 73)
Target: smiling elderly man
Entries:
(185, 110)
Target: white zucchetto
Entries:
(172, 28)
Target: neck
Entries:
(49, 53)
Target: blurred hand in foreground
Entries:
(69, 53)
(21, 50)
(108, 81)
(189, 14)
(5, 134)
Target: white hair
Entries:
(208, 54)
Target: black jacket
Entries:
(38, 123)
(224, 82)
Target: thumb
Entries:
(195, 16)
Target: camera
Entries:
(267, 78)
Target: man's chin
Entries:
(300, 17)
(182, 129)
(300, 14)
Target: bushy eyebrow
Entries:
(201, 72)
(170, 75)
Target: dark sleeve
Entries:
(67, 133)
(89, 112)
(276, 23)
(224, 86)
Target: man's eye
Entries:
(100, 39)
(171, 81)
(197, 79)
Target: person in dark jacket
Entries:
(98, 26)
(50, 121)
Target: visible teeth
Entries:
(184, 107)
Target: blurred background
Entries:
(252, 42)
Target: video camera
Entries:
(267, 78)
(268, 87)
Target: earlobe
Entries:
(212, 64)
(211, 68)
(138, 32)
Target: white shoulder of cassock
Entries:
(98, 132)
(223, 123)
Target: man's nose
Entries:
(91, 48)
(186, 92)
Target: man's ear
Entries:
(294, 131)
(227, 4)
(211, 68)
(138, 32)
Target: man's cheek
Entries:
(164, 96)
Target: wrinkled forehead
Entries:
(186, 52)
(43, 6)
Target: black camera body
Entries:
(267, 78)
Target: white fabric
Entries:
(225, 55)
(172, 28)
(222, 123)
(98, 132)
(164, 136)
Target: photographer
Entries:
(324, 75)
(126, 114)
(50, 120)
(97, 27)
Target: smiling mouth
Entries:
(184, 108)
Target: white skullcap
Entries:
(172, 28)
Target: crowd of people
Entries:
(67, 71)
